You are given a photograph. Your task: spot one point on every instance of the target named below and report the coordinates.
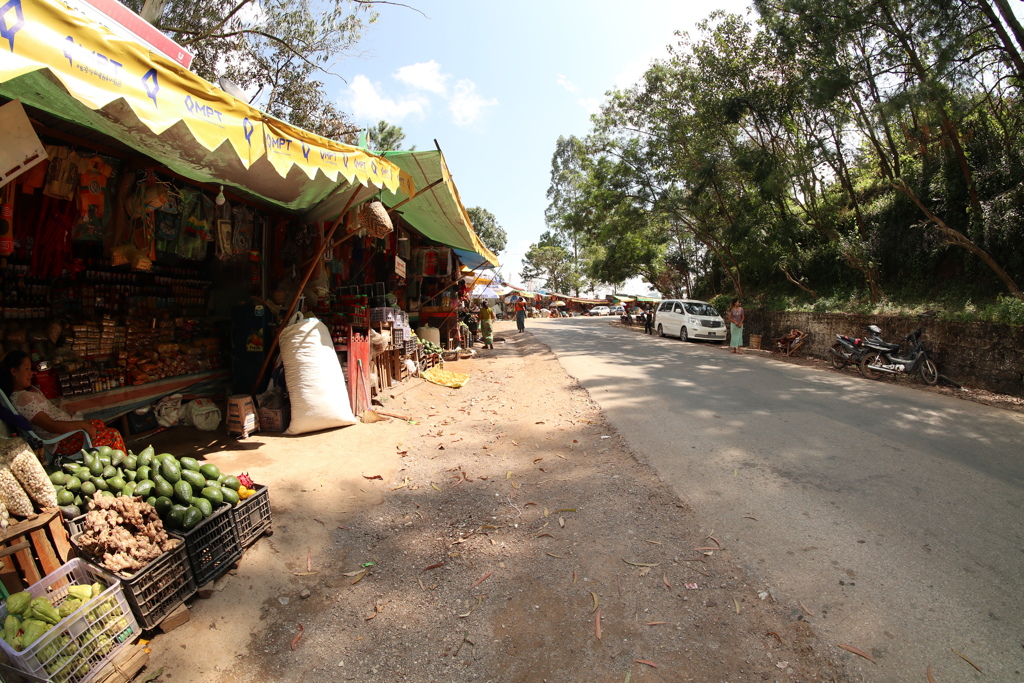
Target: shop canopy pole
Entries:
(305, 280)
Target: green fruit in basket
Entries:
(189, 464)
(108, 494)
(100, 484)
(151, 501)
(203, 505)
(116, 483)
(143, 473)
(170, 470)
(88, 488)
(131, 462)
(117, 457)
(128, 489)
(59, 478)
(130, 475)
(210, 471)
(103, 450)
(214, 494)
(144, 488)
(192, 517)
(232, 483)
(72, 467)
(223, 477)
(95, 468)
(194, 478)
(162, 486)
(174, 518)
(77, 502)
(230, 496)
(17, 603)
(183, 492)
(109, 471)
(65, 497)
(144, 459)
(163, 505)
(104, 460)
(83, 473)
(73, 484)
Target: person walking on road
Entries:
(649, 320)
(487, 325)
(520, 313)
(736, 317)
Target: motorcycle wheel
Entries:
(929, 373)
(869, 360)
(839, 357)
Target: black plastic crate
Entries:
(212, 545)
(253, 516)
(157, 589)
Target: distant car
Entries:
(617, 310)
(689, 319)
(599, 310)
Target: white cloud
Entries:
(466, 105)
(424, 76)
(567, 84)
(591, 104)
(367, 102)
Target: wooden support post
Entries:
(305, 280)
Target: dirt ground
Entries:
(505, 533)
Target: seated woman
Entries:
(47, 419)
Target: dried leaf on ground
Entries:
(964, 657)
(597, 624)
(482, 579)
(596, 602)
(295, 641)
(642, 564)
(647, 662)
(860, 653)
(376, 476)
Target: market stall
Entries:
(134, 228)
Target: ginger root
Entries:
(124, 533)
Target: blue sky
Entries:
(496, 83)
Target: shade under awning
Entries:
(66, 65)
(437, 211)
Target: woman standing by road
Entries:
(487, 325)
(736, 317)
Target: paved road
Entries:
(895, 516)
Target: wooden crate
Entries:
(33, 548)
(125, 666)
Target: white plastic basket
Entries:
(79, 646)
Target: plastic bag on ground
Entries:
(203, 414)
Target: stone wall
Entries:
(977, 355)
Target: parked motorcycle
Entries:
(883, 358)
(850, 350)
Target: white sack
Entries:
(312, 373)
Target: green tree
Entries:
(385, 137)
(487, 229)
(277, 46)
(550, 264)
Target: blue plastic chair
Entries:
(25, 430)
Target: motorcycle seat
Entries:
(884, 345)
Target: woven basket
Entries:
(374, 218)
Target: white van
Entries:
(689, 319)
